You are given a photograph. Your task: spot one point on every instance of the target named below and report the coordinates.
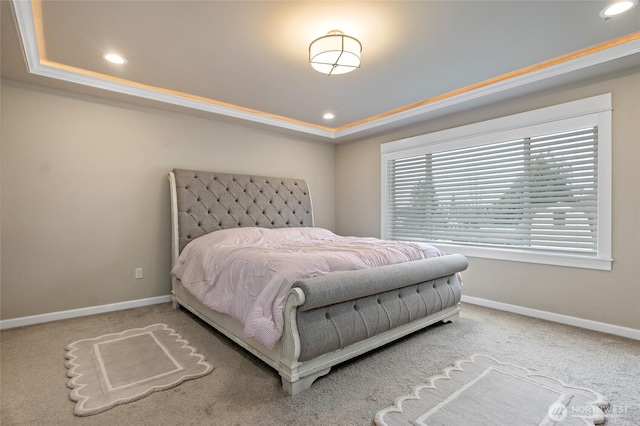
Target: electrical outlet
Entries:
(138, 273)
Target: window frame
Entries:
(593, 111)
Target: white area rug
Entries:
(122, 367)
(483, 391)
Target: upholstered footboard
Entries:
(333, 318)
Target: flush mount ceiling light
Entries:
(113, 58)
(617, 8)
(335, 53)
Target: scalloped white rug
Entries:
(483, 391)
(122, 367)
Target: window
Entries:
(531, 187)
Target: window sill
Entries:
(557, 259)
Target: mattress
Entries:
(247, 272)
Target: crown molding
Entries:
(37, 64)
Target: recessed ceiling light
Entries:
(617, 8)
(328, 116)
(113, 58)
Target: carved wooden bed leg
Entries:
(453, 318)
(174, 296)
(294, 388)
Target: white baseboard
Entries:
(74, 313)
(631, 333)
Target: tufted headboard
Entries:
(203, 202)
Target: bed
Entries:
(326, 319)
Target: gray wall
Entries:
(85, 199)
(610, 297)
(85, 193)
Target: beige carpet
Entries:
(483, 391)
(118, 368)
(242, 390)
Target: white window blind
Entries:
(538, 193)
(533, 187)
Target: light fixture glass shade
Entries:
(335, 53)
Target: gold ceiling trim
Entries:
(518, 73)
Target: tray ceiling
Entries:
(248, 61)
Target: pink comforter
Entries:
(247, 272)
